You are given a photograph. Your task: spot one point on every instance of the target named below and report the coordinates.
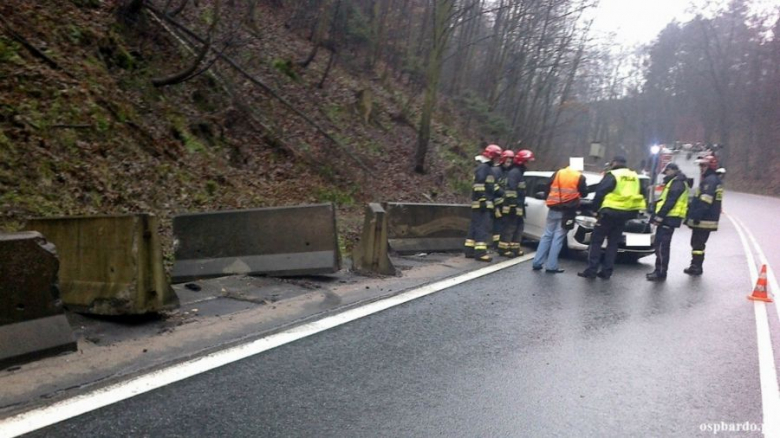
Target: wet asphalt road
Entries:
(515, 353)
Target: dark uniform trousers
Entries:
(479, 235)
(698, 243)
(663, 243)
(511, 233)
(611, 228)
(498, 227)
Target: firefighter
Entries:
(670, 211)
(567, 187)
(482, 193)
(514, 205)
(500, 173)
(618, 199)
(704, 211)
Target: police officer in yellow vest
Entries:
(618, 199)
(670, 211)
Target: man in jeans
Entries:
(567, 186)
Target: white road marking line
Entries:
(770, 274)
(770, 393)
(39, 418)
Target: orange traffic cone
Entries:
(760, 291)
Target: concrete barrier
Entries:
(279, 241)
(414, 228)
(370, 254)
(110, 265)
(32, 322)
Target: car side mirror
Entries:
(540, 195)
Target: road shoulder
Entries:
(214, 314)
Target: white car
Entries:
(638, 236)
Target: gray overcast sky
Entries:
(637, 21)
(640, 21)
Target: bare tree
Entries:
(323, 21)
(442, 12)
(191, 70)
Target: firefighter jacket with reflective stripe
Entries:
(564, 189)
(627, 194)
(672, 205)
(704, 211)
(514, 193)
(500, 176)
(483, 187)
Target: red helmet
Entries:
(710, 161)
(524, 156)
(507, 155)
(492, 151)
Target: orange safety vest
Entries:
(563, 190)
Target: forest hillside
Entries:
(171, 106)
(84, 130)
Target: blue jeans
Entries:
(552, 241)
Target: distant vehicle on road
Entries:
(638, 236)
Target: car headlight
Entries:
(586, 222)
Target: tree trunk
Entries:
(331, 61)
(130, 10)
(442, 13)
(378, 23)
(188, 72)
(462, 69)
(178, 10)
(424, 29)
(567, 87)
(424, 131)
(250, 15)
(320, 30)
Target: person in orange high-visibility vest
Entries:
(567, 186)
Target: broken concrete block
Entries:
(32, 321)
(110, 265)
(370, 254)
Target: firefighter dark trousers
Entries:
(663, 243)
(610, 228)
(698, 243)
(498, 225)
(479, 234)
(509, 244)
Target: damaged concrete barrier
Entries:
(32, 322)
(300, 240)
(414, 228)
(370, 254)
(110, 265)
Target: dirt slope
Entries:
(83, 131)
